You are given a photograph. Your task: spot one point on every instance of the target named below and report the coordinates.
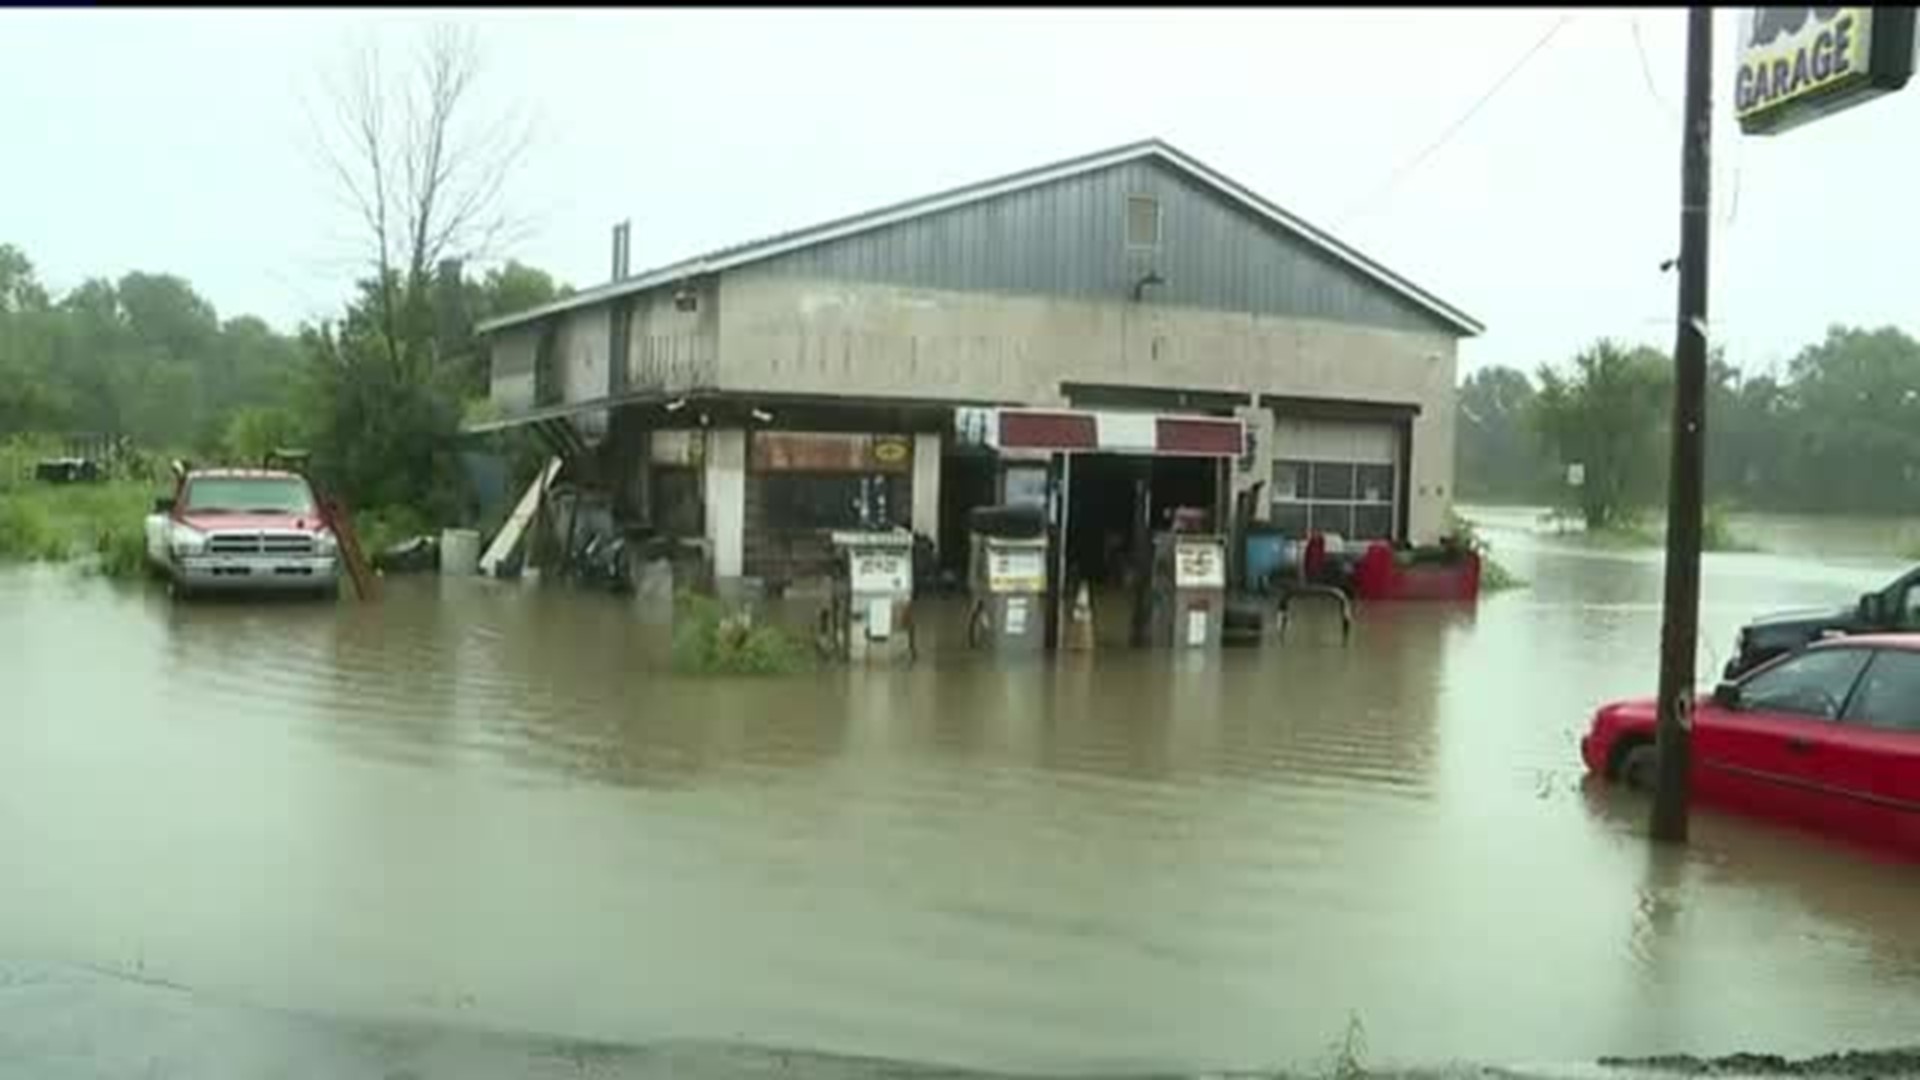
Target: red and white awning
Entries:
(1095, 431)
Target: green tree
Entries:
(1609, 416)
(1496, 449)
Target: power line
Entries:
(1453, 129)
(1646, 72)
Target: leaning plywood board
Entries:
(510, 534)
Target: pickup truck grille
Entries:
(260, 543)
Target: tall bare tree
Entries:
(423, 168)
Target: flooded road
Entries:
(483, 803)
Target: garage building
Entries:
(756, 397)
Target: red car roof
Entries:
(1907, 641)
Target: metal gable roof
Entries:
(781, 243)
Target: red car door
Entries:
(1870, 765)
(1763, 755)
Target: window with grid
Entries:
(1354, 499)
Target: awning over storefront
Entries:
(1102, 432)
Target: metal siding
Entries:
(1068, 238)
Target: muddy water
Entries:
(483, 803)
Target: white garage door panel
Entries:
(1335, 440)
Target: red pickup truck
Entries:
(242, 529)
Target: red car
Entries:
(1827, 738)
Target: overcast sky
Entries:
(178, 141)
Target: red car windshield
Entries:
(247, 495)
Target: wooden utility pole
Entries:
(1680, 626)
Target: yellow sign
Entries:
(1797, 64)
(891, 450)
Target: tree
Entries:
(1608, 417)
(423, 169)
(1496, 448)
(424, 173)
(20, 289)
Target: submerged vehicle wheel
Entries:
(1639, 766)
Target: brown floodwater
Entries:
(485, 803)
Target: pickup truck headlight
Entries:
(325, 543)
(182, 540)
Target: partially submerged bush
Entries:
(1716, 531)
(383, 527)
(1493, 576)
(122, 551)
(710, 640)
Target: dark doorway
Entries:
(1100, 515)
(1185, 483)
(1103, 515)
(967, 480)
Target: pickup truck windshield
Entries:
(248, 495)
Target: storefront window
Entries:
(837, 501)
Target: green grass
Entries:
(710, 640)
(61, 522)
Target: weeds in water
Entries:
(58, 522)
(1349, 1053)
(710, 640)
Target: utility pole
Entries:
(1680, 625)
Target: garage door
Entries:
(1336, 476)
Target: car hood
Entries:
(1839, 618)
(1630, 711)
(221, 522)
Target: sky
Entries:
(182, 142)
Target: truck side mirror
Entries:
(1727, 695)
(163, 504)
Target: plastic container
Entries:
(459, 552)
(1266, 555)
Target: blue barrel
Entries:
(1265, 556)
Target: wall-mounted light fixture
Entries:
(762, 415)
(1151, 279)
(676, 405)
(685, 299)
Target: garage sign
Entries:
(1799, 64)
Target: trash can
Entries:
(459, 552)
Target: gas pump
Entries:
(872, 612)
(1189, 590)
(1008, 579)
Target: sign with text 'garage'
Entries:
(1800, 64)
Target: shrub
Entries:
(383, 527)
(1716, 532)
(710, 640)
(1493, 576)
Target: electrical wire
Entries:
(1646, 73)
(1453, 129)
